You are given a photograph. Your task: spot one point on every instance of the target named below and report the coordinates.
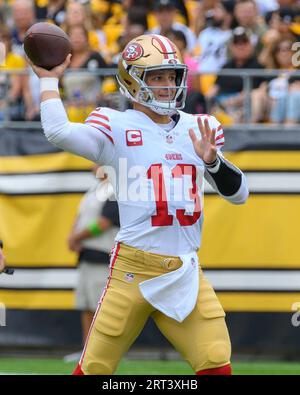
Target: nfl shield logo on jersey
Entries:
(134, 137)
(169, 139)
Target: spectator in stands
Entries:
(228, 91)
(135, 24)
(246, 14)
(265, 6)
(53, 11)
(214, 38)
(282, 25)
(92, 237)
(23, 17)
(284, 91)
(100, 11)
(78, 14)
(83, 56)
(98, 15)
(195, 101)
(114, 24)
(82, 89)
(212, 42)
(202, 9)
(181, 7)
(165, 12)
(15, 96)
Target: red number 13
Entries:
(162, 217)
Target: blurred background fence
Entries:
(249, 96)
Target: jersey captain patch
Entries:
(134, 137)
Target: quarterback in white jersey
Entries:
(157, 157)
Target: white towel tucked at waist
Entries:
(175, 293)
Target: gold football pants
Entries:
(202, 338)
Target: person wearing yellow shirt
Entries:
(82, 88)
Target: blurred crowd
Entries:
(213, 35)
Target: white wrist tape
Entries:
(49, 84)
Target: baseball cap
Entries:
(240, 34)
(159, 4)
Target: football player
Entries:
(159, 156)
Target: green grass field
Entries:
(58, 366)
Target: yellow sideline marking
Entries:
(54, 300)
(231, 301)
(258, 301)
(265, 160)
(43, 163)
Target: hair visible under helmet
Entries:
(149, 53)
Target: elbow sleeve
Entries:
(229, 182)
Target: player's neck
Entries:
(157, 118)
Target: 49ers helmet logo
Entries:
(132, 52)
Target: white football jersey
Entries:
(213, 46)
(157, 177)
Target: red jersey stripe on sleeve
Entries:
(95, 114)
(220, 142)
(100, 130)
(220, 138)
(96, 122)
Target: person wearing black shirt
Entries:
(54, 11)
(228, 91)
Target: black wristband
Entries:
(212, 164)
(227, 179)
